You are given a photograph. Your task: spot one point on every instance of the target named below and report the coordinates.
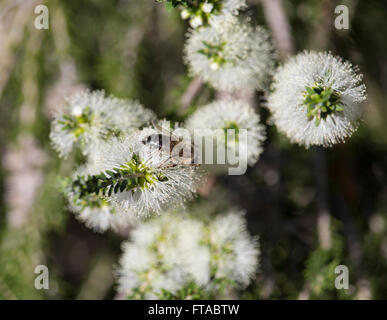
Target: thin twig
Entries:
(323, 27)
(323, 216)
(279, 25)
(190, 93)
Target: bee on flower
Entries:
(139, 175)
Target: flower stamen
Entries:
(321, 102)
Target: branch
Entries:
(279, 25)
(323, 216)
(190, 93)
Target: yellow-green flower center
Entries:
(321, 102)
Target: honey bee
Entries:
(179, 149)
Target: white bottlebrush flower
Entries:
(234, 253)
(95, 211)
(90, 117)
(232, 6)
(204, 12)
(177, 249)
(235, 115)
(148, 178)
(316, 99)
(230, 54)
(163, 254)
(101, 217)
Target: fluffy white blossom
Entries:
(178, 249)
(90, 117)
(163, 254)
(316, 99)
(231, 54)
(95, 211)
(235, 115)
(102, 217)
(234, 254)
(204, 12)
(150, 177)
(232, 6)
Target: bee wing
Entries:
(157, 126)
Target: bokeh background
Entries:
(133, 49)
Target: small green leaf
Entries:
(110, 191)
(123, 185)
(110, 173)
(117, 187)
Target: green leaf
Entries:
(123, 185)
(117, 187)
(110, 191)
(110, 173)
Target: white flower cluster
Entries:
(159, 181)
(130, 172)
(231, 55)
(204, 12)
(89, 118)
(175, 250)
(234, 115)
(127, 173)
(101, 216)
(316, 99)
(97, 213)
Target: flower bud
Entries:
(196, 21)
(185, 14)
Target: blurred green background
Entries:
(133, 49)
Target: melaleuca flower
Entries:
(138, 176)
(100, 216)
(163, 254)
(316, 99)
(96, 212)
(178, 249)
(202, 12)
(231, 115)
(233, 252)
(90, 117)
(231, 55)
